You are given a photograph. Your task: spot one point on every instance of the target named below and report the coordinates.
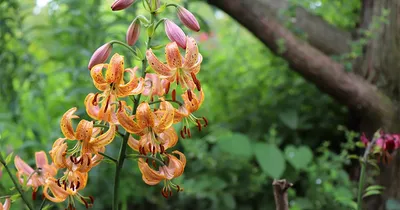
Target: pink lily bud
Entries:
(132, 35)
(188, 19)
(100, 55)
(175, 33)
(121, 4)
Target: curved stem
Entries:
(159, 22)
(123, 44)
(122, 150)
(109, 157)
(17, 186)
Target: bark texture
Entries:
(373, 91)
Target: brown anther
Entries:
(196, 81)
(165, 194)
(154, 163)
(147, 160)
(198, 125)
(154, 150)
(70, 207)
(167, 88)
(178, 188)
(119, 106)
(189, 134)
(85, 202)
(174, 95)
(151, 98)
(177, 79)
(72, 159)
(72, 186)
(182, 135)
(189, 93)
(89, 161)
(94, 101)
(58, 182)
(65, 186)
(184, 129)
(108, 101)
(149, 145)
(34, 195)
(170, 193)
(78, 184)
(43, 197)
(162, 149)
(91, 199)
(205, 121)
(80, 161)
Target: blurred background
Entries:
(265, 121)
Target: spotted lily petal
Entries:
(84, 130)
(173, 56)
(167, 117)
(144, 115)
(98, 78)
(105, 138)
(192, 53)
(158, 66)
(149, 175)
(127, 122)
(115, 70)
(66, 123)
(133, 143)
(58, 153)
(132, 87)
(58, 193)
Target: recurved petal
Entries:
(105, 138)
(98, 78)
(176, 166)
(144, 115)
(115, 70)
(41, 159)
(196, 67)
(169, 138)
(133, 143)
(6, 205)
(192, 53)
(22, 167)
(129, 88)
(66, 123)
(127, 122)
(167, 117)
(58, 193)
(150, 176)
(84, 130)
(58, 154)
(159, 67)
(180, 113)
(92, 106)
(173, 56)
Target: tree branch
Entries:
(328, 75)
(280, 193)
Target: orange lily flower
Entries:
(36, 178)
(154, 85)
(6, 205)
(181, 70)
(58, 190)
(90, 140)
(155, 143)
(146, 120)
(102, 106)
(166, 173)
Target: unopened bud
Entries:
(100, 55)
(132, 35)
(188, 19)
(121, 4)
(175, 33)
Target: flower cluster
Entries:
(134, 104)
(385, 145)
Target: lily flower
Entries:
(34, 178)
(102, 106)
(154, 143)
(58, 190)
(154, 85)
(6, 205)
(178, 69)
(174, 168)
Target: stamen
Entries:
(94, 101)
(182, 135)
(85, 202)
(72, 159)
(89, 161)
(190, 135)
(72, 186)
(196, 81)
(174, 95)
(149, 147)
(178, 188)
(167, 88)
(189, 93)
(205, 121)
(165, 194)
(198, 125)
(177, 79)
(162, 149)
(78, 184)
(154, 150)
(108, 101)
(119, 106)
(58, 182)
(33, 195)
(91, 199)
(185, 129)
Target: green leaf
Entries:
(9, 158)
(300, 157)
(236, 144)
(229, 200)
(270, 159)
(157, 47)
(372, 192)
(374, 187)
(290, 118)
(161, 8)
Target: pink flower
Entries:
(132, 35)
(121, 4)
(175, 33)
(100, 55)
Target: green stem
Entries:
(42, 204)
(125, 45)
(147, 157)
(29, 205)
(109, 157)
(122, 150)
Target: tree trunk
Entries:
(372, 90)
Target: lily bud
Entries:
(100, 55)
(121, 4)
(132, 35)
(188, 19)
(175, 33)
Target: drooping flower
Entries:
(174, 168)
(102, 106)
(188, 19)
(121, 4)
(154, 143)
(175, 33)
(177, 69)
(100, 55)
(6, 205)
(133, 32)
(34, 177)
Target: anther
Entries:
(150, 147)
(119, 106)
(89, 161)
(94, 101)
(185, 129)
(58, 182)
(78, 184)
(189, 134)
(167, 88)
(108, 101)
(33, 195)
(85, 202)
(205, 121)
(154, 163)
(189, 93)
(162, 149)
(182, 135)
(198, 125)
(72, 186)
(178, 188)
(91, 199)
(174, 95)
(154, 150)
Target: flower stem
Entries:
(42, 204)
(17, 186)
(123, 44)
(109, 157)
(122, 151)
